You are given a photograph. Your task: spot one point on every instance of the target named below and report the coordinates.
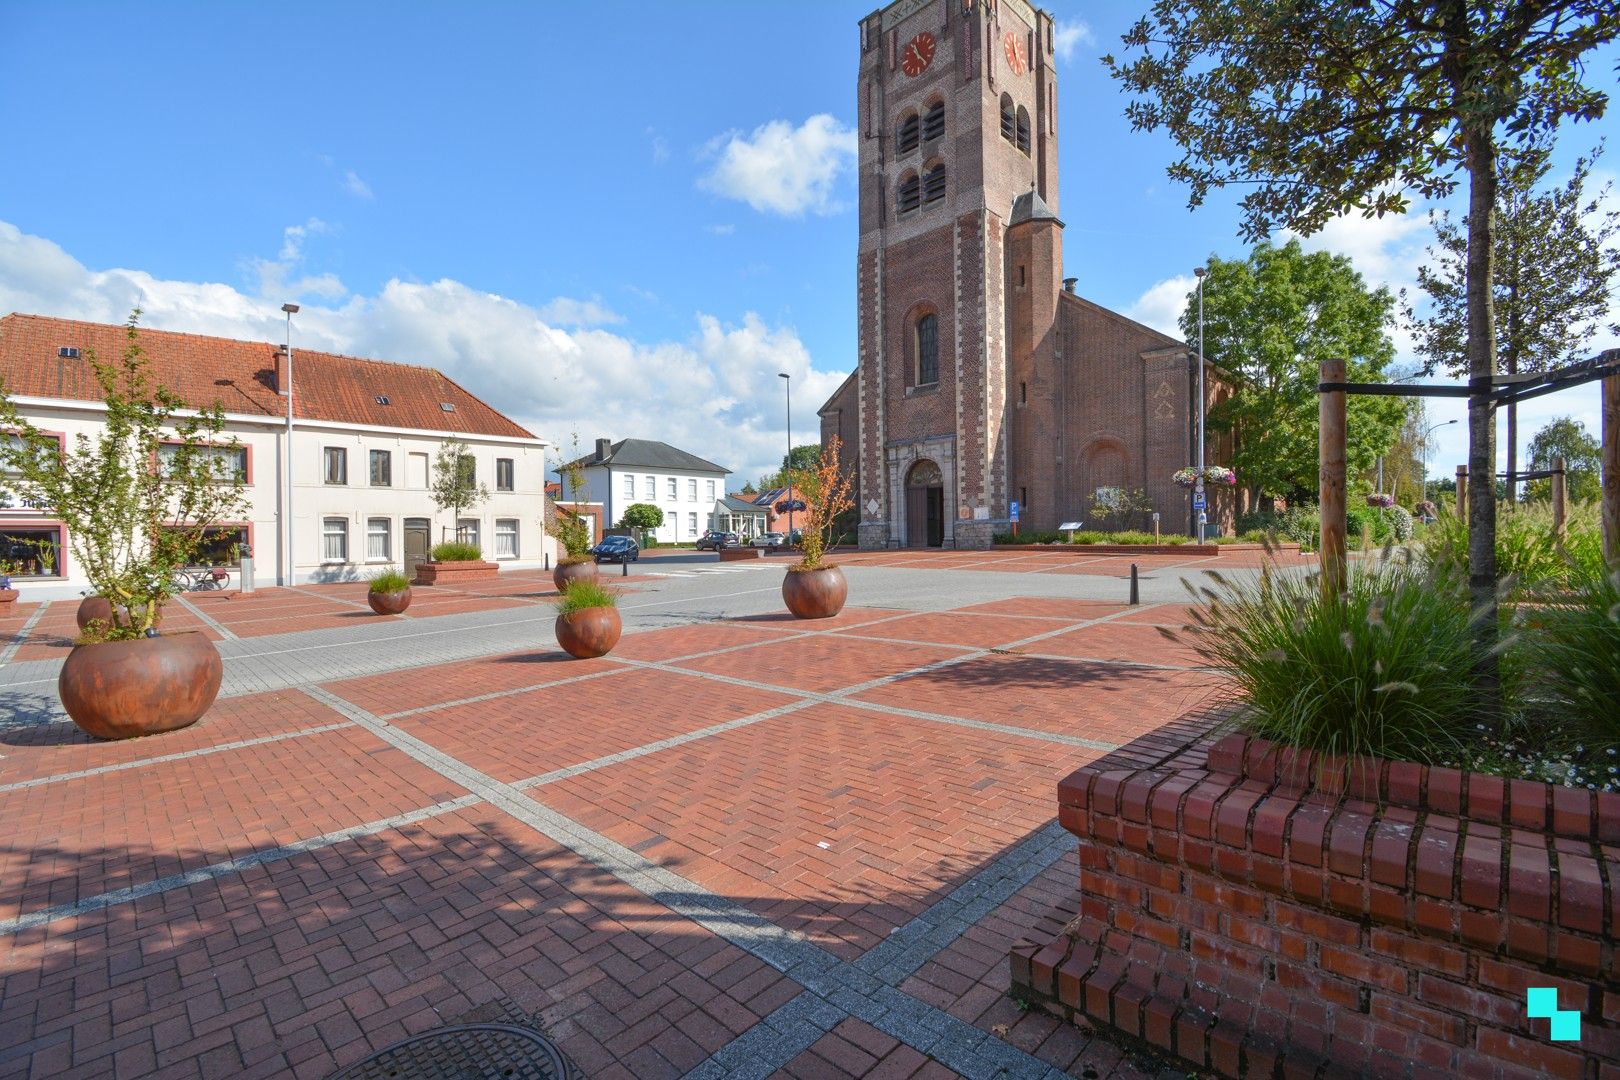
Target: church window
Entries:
(1023, 129)
(1020, 277)
(927, 350)
(909, 194)
(1023, 393)
(909, 127)
(933, 125)
(1009, 122)
(933, 184)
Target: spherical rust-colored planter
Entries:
(589, 632)
(566, 574)
(389, 603)
(92, 608)
(815, 594)
(121, 689)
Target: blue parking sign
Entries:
(1013, 510)
(1198, 500)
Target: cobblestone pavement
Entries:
(741, 845)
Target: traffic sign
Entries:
(1198, 500)
(1012, 510)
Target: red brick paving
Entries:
(1131, 643)
(966, 631)
(820, 663)
(415, 688)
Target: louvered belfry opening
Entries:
(933, 125)
(1023, 129)
(909, 128)
(933, 184)
(910, 193)
(1008, 121)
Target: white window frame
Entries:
(387, 535)
(691, 520)
(711, 491)
(327, 453)
(371, 467)
(630, 486)
(468, 530)
(339, 533)
(652, 488)
(691, 490)
(674, 489)
(511, 473)
(506, 527)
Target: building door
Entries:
(925, 506)
(418, 538)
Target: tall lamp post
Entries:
(1424, 441)
(788, 461)
(291, 310)
(1198, 485)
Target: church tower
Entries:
(958, 268)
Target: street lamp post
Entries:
(788, 384)
(1425, 443)
(291, 310)
(1198, 484)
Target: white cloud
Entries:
(660, 147)
(783, 169)
(720, 230)
(1161, 306)
(275, 275)
(565, 311)
(714, 393)
(1069, 35)
(356, 186)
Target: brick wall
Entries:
(1266, 913)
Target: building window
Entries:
(711, 490)
(630, 488)
(506, 538)
(503, 474)
(335, 539)
(691, 523)
(222, 463)
(417, 470)
(32, 551)
(651, 487)
(933, 184)
(691, 491)
(927, 350)
(1009, 119)
(1023, 129)
(933, 125)
(674, 489)
(382, 468)
(467, 469)
(220, 546)
(378, 546)
(336, 465)
(910, 126)
(909, 194)
(467, 531)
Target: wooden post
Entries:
(1331, 478)
(1462, 492)
(1558, 498)
(1611, 470)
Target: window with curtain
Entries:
(378, 547)
(506, 538)
(503, 474)
(335, 539)
(382, 468)
(336, 465)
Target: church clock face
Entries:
(918, 54)
(1015, 53)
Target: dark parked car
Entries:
(714, 541)
(617, 549)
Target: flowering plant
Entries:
(1426, 508)
(1213, 474)
(1381, 500)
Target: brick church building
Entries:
(983, 379)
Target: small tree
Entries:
(1119, 507)
(827, 491)
(565, 526)
(455, 479)
(642, 516)
(1567, 438)
(140, 497)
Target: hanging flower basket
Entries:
(1427, 508)
(1381, 501)
(1213, 474)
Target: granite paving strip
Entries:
(229, 866)
(21, 636)
(207, 619)
(844, 989)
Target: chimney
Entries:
(604, 447)
(1068, 285)
(281, 368)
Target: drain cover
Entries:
(466, 1052)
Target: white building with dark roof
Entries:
(684, 486)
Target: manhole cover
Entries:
(466, 1052)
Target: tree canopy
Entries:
(1567, 438)
(1268, 319)
(455, 479)
(642, 516)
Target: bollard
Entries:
(1136, 595)
(624, 568)
(548, 560)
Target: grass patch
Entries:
(580, 595)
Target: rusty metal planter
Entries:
(391, 603)
(589, 632)
(121, 689)
(815, 594)
(566, 573)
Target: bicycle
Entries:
(200, 580)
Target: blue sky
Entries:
(621, 219)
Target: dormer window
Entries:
(381, 399)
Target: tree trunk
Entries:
(1481, 157)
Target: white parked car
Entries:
(768, 540)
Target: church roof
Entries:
(1031, 207)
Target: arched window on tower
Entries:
(1023, 129)
(908, 196)
(933, 183)
(907, 139)
(927, 350)
(1008, 121)
(933, 124)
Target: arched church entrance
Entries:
(925, 506)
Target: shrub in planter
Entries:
(457, 551)
(588, 623)
(812, 589)
(389, 592)
(155, 459)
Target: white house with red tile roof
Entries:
(364, 437)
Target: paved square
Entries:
(739, 845)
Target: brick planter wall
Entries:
(1269, 913)
(733, 554)
(451, 573)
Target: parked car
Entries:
(768, 540)
(617, 549)
(714, 540)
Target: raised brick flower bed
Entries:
(1264, 912)
(451, 573)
